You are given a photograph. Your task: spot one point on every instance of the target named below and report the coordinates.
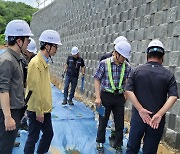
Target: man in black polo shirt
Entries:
(72, 67)
(152, 89)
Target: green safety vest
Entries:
(113, 88)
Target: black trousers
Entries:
(34, 131)
(151, 138)
(114, 103)
(7, 138)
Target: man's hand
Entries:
(40, 118)
(145, 115)
(156, 119)
(10, 124)
(98, 102)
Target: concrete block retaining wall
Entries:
(92, 26)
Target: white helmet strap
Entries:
(20, 47)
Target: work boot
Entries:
(100, 148)
(70, 102)
(118, 150)
(16, 144)
(64, 102)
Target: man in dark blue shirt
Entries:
(72, 67)
(152, 89)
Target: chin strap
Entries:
(20, 47)
(48, 51)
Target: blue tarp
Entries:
(1, 51)
(74, 127)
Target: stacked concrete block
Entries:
(172, 138)
(177, 124)
(92, 26)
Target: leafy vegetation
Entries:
(13, 10)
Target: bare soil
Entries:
(2, 47)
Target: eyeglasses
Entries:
(55, 46)
(28, 39)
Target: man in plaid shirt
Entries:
(109, 82)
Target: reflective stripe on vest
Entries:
(121, 90)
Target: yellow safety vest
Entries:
(113, 88)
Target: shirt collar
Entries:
(42, 59)
(153, 63)
(45, 58)
(15, 54)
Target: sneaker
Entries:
(16, 144)
(100, 147)
(118, 150)
(64, 102)
(70, 102)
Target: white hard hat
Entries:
(50, 36)
(155, 43)
(74, 51)
(18, 28)
(124, 49)
(120, 38)
(32, 46)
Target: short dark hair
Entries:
(43, 44)
(158, 55)
(12, 39)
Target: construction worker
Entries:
(16, 143)
(11, 83)
(109, 81)
(152, 90)
(72, 67)
(31, 50)
(117, 40)
(40, 103)
(28, 54)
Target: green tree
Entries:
(2, 41)
(28, 19)
(13, 10)
(2, 24)
(2, 9)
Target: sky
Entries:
(33, 3)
